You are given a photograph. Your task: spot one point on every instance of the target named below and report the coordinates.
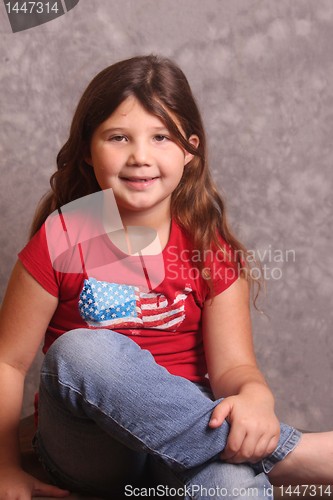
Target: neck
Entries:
(160, 222)
(146, 218)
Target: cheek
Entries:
(104, 165)
(102, 174)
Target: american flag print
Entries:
(104, 304)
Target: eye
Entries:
(117, 138)
(160, 138)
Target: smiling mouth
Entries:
(138, 179)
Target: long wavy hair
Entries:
(163, 90)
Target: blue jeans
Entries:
(108, 413)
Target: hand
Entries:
(15, 484)
(255, 429)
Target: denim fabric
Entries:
(108, 413)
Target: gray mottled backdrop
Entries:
(262, 71)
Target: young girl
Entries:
(131, 332)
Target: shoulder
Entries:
(36, 245)
(35, 257)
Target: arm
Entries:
(235, 376)
(24, 316)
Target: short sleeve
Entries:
(223, 268)
(36, 260)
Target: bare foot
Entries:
(311, 462)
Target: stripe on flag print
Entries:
(124, 306)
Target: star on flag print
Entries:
(125, 306)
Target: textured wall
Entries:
(262, 71)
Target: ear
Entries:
(194, 141)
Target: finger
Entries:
(234, 443)
(220, 413)
(265, 446)
(274, 441)
(48, 490)
(261, 450)
(246, 451)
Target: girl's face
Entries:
(133, 153)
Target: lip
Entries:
(139, 183)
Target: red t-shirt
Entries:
(165, 320)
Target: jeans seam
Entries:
(146, 448)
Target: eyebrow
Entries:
(124, 129)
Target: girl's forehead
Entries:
(131, 110)
(129, 107)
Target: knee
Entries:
(82, 352)
(69, 350)
(79, 360)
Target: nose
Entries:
(139, 154)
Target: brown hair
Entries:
(161, 87)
